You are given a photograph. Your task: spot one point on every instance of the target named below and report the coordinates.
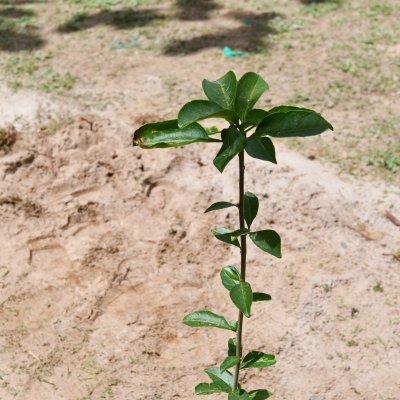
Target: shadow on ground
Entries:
(249, 36)
(195, 10)
(122, 19)
(16, 31)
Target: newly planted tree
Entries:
(248, 131)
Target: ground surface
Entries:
(104, 248)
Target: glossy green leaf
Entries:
(230, 277)
(242, 297)
(254, 117)
(292, 122)
(284, 108)
(250, 207)
(197, 110)
(260, 394)
(229, 362)
(224, 380)
(258, 359)
(239, 394)
(239, 232)
(225, 235)
(168, 134)
(233, 142)
(261, 148)
(257, 296)
(208, 319)
(219, 205)
(207, 388)
(267, 240)
(250, 88)
(222, 91)
(232, 344)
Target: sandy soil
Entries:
(105, 247)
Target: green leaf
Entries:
(224, 380)
(232, 344)
(268, 241)
(197, 110)
(250, 88)
(261, 148)
(168, 134)
(254, 117)
(222, 91)
(225, 235)
(219, 205)
(207, 388)
(229, 362)
(212, 130)
(284, 108)
(292, 122)
(250, 207)
(208, 318)
(233, 142)
(258, 359)
(239, 232)
(239, 394)
(259, 394)
(230, 277)
(257, 296)
(242, 297)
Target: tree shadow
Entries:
(318, 1)
(250, 36)
(126, 18)
(19, 2)
(195, 10)
(16, 33)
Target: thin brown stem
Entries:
(243, 252)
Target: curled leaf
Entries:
(168, 134)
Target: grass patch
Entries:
(318, 8)
(58, 83)
(109, 4)
(75, 22)
(30, 70)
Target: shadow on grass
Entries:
(320, 1)
(16, 32)
(250, 36)
(121, 19)
(195, 10)
(19, 2)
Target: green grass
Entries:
(58, 83)
(317, 9)
(75, 22)
(12, 18)
(108, 4)
(32, 70)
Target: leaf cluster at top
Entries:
(234, 101)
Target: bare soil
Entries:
(105, 247)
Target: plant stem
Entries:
(243, 252)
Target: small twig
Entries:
(34, 355)
(396, 256)
(392, 218)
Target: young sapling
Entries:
(249, 131)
